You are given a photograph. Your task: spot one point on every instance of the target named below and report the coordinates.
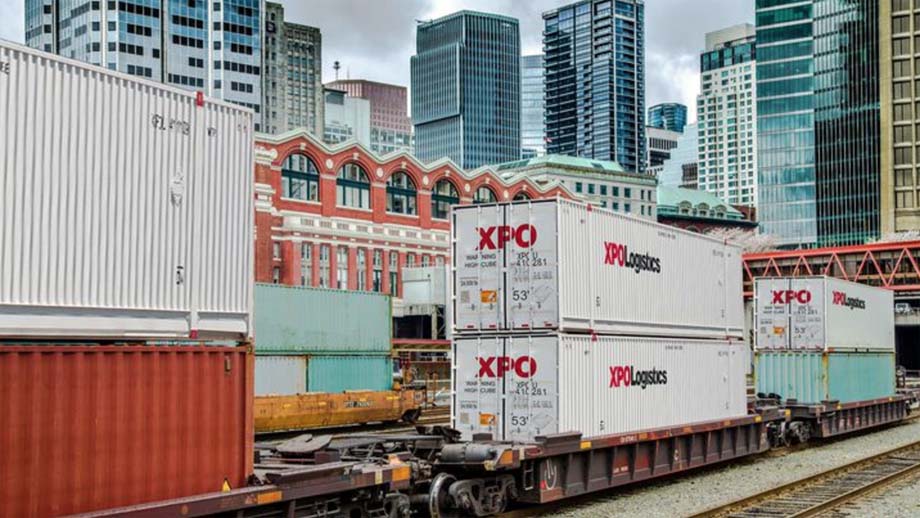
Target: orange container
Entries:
(89, 427)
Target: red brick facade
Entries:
(287, 228)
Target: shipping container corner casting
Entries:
(149, 232)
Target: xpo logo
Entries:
(840, 299)
(789, 296)
(616, 254)
(492, 238)
(628, 376)
(497, 366)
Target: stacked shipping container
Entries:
(126, 217)
(823, 339)
(572, 318)
(319, 340)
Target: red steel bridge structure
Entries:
(894, 265)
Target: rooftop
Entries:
(677, 201)
(565, 162)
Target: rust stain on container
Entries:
(93, 427)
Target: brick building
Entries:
(341, 217)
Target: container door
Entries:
(806, 300)
(480, 238)
(532, 289)
(531, 387)
(771, 314)
(477, 401)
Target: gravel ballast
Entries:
(697, 491)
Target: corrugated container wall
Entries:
(520, 387)
(310, 320)
(557, 264)
(338, 373)
(281, 375)
(813, 377)
(822, 313)
(93, 427)
(125, 207)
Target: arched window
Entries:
(401, 197)
(354, 187)
(484, 195)
(299, 178)
(521, 196)
(443, 196)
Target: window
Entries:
(521, 196)
(362, 269)
(900, 24)
(439, 260)
(299, 178)
(627, 208)
(903, 156)
(341, 268)
(590, 188)
(394, 274)
(578, 187)
(603, 190)
(324, 266)
(901, 90)
(306, 264)
(900, 5)
(903, 134)
(900, 47)
(484, 195)
(615, 191)
(627, 193)
(901, 68)
(904, 200)
(410, 259)
(276, 250)
(276, 275)
(902, 112)
(401, 194)
(443, 196)
(378, 270)
(353, 187)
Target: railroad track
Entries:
(827, 490)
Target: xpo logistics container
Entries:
(125, 205)
(561, 265)
(518, 387)
(823, 339)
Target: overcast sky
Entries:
(373, 39)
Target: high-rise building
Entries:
(818, 121)
(727, 116)
(533, 130)
(390, 127)
(660, 143)
(900, 106)
(214, 47)
(686, 152)
(466, 89)
(669, 116)
(292, 85)
(594, 67)
(346, 118)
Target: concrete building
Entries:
(390, 126)
(533, 129)
(292, 83)
(327, 215)
(595, 81)
(466, 89)
(727, 115)
(690, 175)
(699, 211)
(212, 47)
(900, 107)
(669, 116)
(600, 182)
(685, 153)
(346, 118)
(818, 118)
(660, 143)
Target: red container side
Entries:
(92, 427)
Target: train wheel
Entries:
(440, 503)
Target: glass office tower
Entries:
(210, 46)
(669, 116)
(466, 89)
(594, 69)
(533, 131)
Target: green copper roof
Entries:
(601, 166)
(670, 200)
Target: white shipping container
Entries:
(822, 313)
(425, 285)
(518, 387)
(563, 265)
(125, 205)
(280, 375)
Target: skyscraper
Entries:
(390, 127)
(595, 81)
(818, 121)
(669, 116)
(660, 142)
(213, 46)
(466, 89)
(292, 85)
(533, 130)
(727, 116)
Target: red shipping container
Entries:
(93, 427)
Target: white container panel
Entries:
(126, 208)
(478, 390)
(771, 317)
(859, 316)
(532, 273)
(806, 301)
(480, 238)
(425, 285)
(280, 375)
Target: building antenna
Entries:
(336, 66)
